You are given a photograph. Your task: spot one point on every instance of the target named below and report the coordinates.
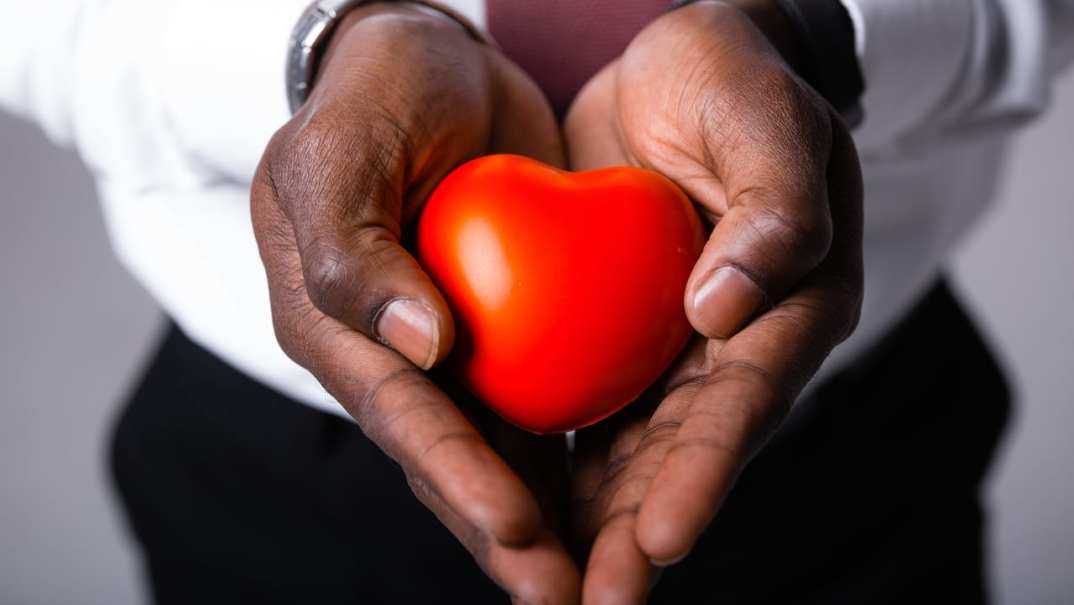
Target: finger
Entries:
(601, 455)
(750, 390)
(395, 405)
(754, 380)
(618, 572)
(524, 124)
(378, 127)
(542, 572)
(765, 243)
(540, 460)
(777, 226)
(590, 129)
(522, 571)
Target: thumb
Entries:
(344, 206)
(402, 98)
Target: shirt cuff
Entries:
(912, 53)
(859, 27)
(38, 43)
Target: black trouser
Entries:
(237, 494)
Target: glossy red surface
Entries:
(566, 288)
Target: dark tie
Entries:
(562, 43)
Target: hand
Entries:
(402, 98)
(702, 96)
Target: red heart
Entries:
(566, 288)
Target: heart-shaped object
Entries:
(566, 288)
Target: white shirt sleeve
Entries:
(170, 103)
(940, 67)
(203, 76)
(37, 44)
(221, 75)
(200, 80)
(218, 72)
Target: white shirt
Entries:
(171, 104)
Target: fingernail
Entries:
(410, 328)
(667, 563)
(725, 301)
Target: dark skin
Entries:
(702, 95)
(401, 99)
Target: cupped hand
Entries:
(703, 96)
(401, 98)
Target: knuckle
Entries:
(462, 438)
(329, 279)
(318, 143)
(390, 400)
(288, 166)
(759, 411)
(804, 235)
(621, 514)
(769, 109)
(790, 103)
(742, 370)
(287, 336)
(347, 159)
(275, 162)
(658, 434)
(627, 489)
(278, 144)
(713, 446)
(297, 326)
(352, 280)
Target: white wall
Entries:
(74, 327)
(73, 330)
(1017, 271)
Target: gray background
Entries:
(74, 328)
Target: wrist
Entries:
(829, 42)
(410, 18)
(816, 39)
(326, 28)
(767, 16)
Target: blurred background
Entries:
(75, 329)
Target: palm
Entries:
(648, 481)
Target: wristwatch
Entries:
(314, 28)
